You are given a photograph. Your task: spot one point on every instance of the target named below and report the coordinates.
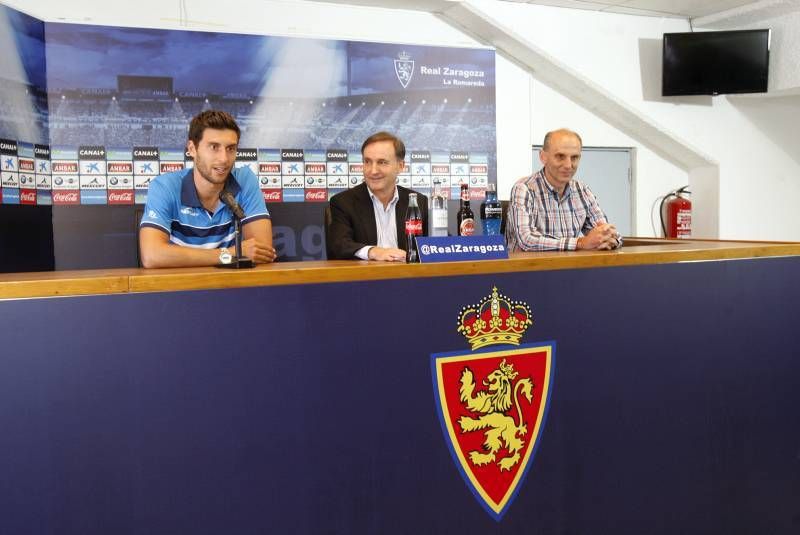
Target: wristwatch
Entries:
(225, 256)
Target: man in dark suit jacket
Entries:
(368, 221)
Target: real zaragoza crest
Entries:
(404, 68)
(492, 400)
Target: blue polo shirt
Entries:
(173, 207)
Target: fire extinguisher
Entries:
(678, 210)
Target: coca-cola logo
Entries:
(414, 226)
(317, 195)
(120, 197)
(27, 197)
(65, 197)
(272, 196)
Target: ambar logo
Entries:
(169, 167)
(120, 167)
(315, 168)
(269, 168)
(65, 167)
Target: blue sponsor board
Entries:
(334, 191)
(44, 197)
(10, 196)
(25, 150)
(140, 196)
(458, 248)
(294, 195)
(94, 196)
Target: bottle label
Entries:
(439, 219)
(414, 226)
(467, 227)
(493, 211)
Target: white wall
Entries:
(753, 138)
(750, 137)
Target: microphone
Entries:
(230, 201)
(240, 261)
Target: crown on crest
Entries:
(403, 56)
(494, 320)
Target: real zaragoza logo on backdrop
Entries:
(492, 400)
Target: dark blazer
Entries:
(353, 221)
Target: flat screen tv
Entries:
(713, 63)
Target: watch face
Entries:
(225, 257)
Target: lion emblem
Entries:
(492, 405)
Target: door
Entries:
(608, 173)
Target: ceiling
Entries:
(690, 9)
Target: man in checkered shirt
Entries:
(550, 211)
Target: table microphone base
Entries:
(238, 263)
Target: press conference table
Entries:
(298, 397)
(637, 251)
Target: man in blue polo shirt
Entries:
(185, 223)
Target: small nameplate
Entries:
(458, 248)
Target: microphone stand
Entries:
(238, 261)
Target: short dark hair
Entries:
(565, 131)
(399, 146)
(218, 120)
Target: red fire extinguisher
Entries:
(678, 209)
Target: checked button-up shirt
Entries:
(541, 220)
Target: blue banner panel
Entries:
(456, 248)
(309, 408)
